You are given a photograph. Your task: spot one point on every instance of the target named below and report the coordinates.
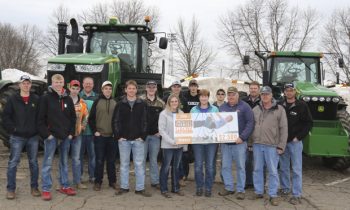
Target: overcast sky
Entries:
(207, 11)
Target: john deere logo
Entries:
(320, 109)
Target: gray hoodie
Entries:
(166, 130)
(271, 126)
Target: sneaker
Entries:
(97, 187)
(274, 201)
(35, 192)
(199, 192)
(144, 193)
(68, 191)
(10, 195)
(81, 186)
(284, 193)
(166, 195)
(256, 197)
(295, 200)
(121, 191)
(156, 186)
(114, 186)
(207, 193)
(240, 196)
(46, 196)
(179, 193)
(226, 192)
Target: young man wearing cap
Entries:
(152, 142)
(130, 129)
(299, 125)
(87, 141)
(236, 151)
(100, 121)
(75, 144)
(175, 89)
(253, 100)
(20, 120)
(268, 140)
(56, 124)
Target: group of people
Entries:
(270, 133)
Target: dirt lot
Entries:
(323, 189)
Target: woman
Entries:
(171, 151)
(204, 152)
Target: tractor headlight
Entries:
(306, 98)
(314, 98)
(328, 99)
(56, 67)
(322, 99)
(335, 100)
(88, 68)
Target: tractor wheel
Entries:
(340, 163)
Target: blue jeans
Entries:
(16, 146)
(50, 146)
(293, 153)
(105, 150)
(138, 151)
(265, 155)
(171, 157)
(204, 153)
(87, 144)
(152, 146)
(64, 147)
(237, 153)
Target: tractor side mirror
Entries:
(163, 43)
(341, 62)
(246, 60)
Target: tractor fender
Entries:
(4, 84)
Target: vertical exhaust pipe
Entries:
(62, 32)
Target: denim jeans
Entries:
(105, 150)
(249, 167)
(292, 154)
(171, 157)
(204, 153)
(50, 146)
(64, 147)
(237, 153)
(16, 146)
(87, 144)
(265, 155)
(138, 151)
(184, 167)
(152, 146)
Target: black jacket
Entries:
(153, 110)
(56, 115)
(251, 103)
(130, 123)
(190, 101)
(20, 119)
(299, 120)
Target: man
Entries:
(175, 89)
(299, 125)
(253, 100)
(152, 142)
(82, 113)
(130, 129)
(236, 151)
(191, 97)
(56, 124)
(269, 140)
(19, 120)
(220, 97)
(87, 141)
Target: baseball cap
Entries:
(151, 82)
(24, 78)
(232, 90)
(106, 83)
(74, 83)
(266, 89)
(175, 83)
(289, 85)
(193, 82)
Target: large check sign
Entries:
(199, 128)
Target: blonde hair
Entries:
(57, 77)
(131, 82)
(167, 107)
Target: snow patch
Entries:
(15, 74)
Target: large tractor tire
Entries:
(38, 87)
(340, 163)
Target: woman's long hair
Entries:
(168, 102)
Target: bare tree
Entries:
(337, 40)
(192, 53)
(98, 13)
(19, 48)
(265, 25)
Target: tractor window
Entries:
(144, 54)
(121, 45)
(289, 69)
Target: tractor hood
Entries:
(83, 58)
(311, 89)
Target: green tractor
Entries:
(113, 51)
(329, 137)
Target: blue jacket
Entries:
(211, 108)
(245, 118)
